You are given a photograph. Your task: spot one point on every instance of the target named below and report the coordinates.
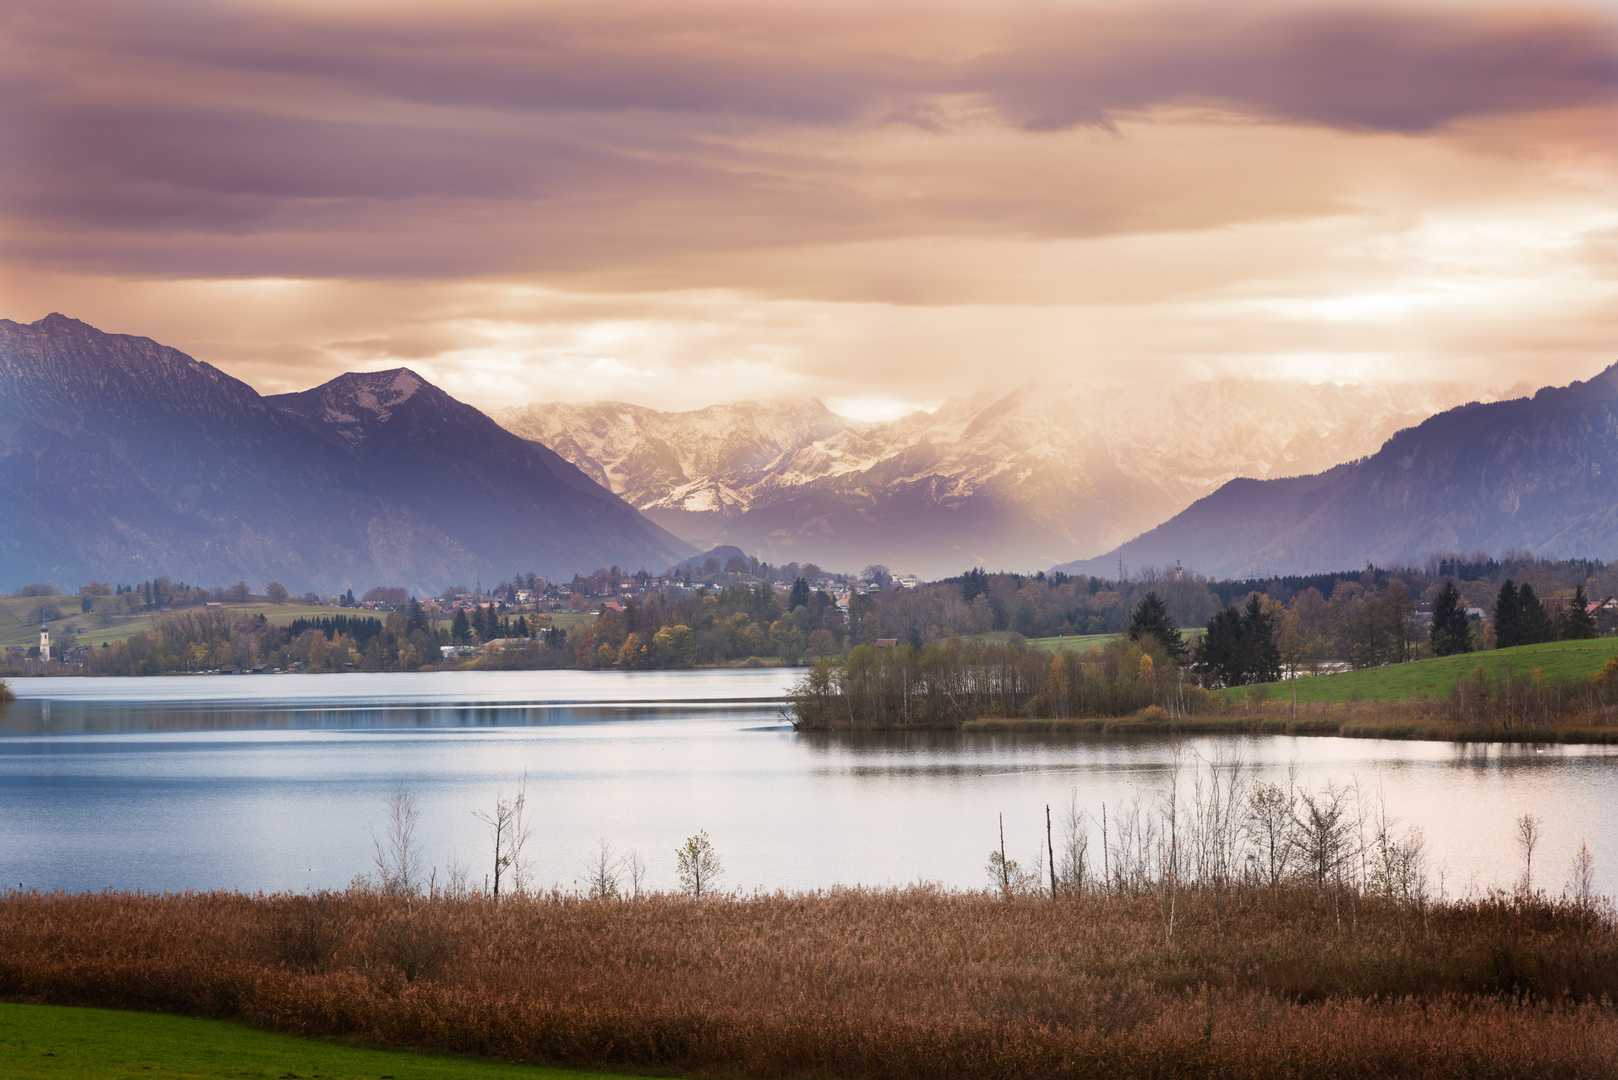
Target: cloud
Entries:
(857, 200)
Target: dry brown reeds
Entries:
(1256, 982)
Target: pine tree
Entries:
(799, 596)
(1218, 655)
(1507, 616)
(460, 630)
(1261, 656)
(1151, 619)
(1451, 632)
(1580, 622)
(1534, 621)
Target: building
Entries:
(44, 645)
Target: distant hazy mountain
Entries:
(1539, 473)
(123, 459)
(1018, 480)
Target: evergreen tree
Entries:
(1535, 622)
(1451, 632)
(1151, 619)
(1580, 622)
(460, 630)
(415, 619)
(1261, 655)
(1507, 616)
(1217, 658)
(522, 626)
(799, 596)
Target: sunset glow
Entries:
(885, 206)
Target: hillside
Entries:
(1537, 473)
(123, 459)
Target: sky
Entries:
(878, 204)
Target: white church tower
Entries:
(44, 645)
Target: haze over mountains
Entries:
(1537, 473)
(122, 459)
(1017, 480)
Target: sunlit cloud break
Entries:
(886, 205)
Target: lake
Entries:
(277, 782)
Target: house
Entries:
(887, 642)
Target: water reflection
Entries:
(259, 782)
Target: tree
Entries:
(275, 593)
(1452, 631)
(878, 575)
(238, 593)
(509, 833)
(1260, 654)
(1536, 625)
(602, 872)
(699, 865)
(799, 596)
(397, 859)
(1579, 622)
(1239, 647)
(1507, 616)
(460, 628)
(1151, 620)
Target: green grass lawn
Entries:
(1435, 678)
(44, 1042)
(567, 620)
(17, 629)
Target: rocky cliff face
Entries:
(123, 459)
(1017, 480)
(1539, 473)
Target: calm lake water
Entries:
(277, 782)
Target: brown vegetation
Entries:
(1285, 981)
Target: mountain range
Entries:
(1535, 473)
(122, 459)
(1017, 480)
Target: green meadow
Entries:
(1435, 678)
(16, 628)
(44, 1042)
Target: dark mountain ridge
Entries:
(1537, 473)
(122, 458)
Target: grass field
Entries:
(567, 620)
(1435, 678)
(1085, 642)
(44, 1042)
(16, 629)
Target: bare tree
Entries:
(699, 864)
(509, 832)
(1271, 828)
(635, 867)
(1074, 863)
(398, 863)
(1528, 829)
(1581, 881)
(601, 872)
(1324, 834)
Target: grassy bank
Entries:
(47, 1042)
(1252, 982)
(1435, 678)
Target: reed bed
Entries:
(1283, 981)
